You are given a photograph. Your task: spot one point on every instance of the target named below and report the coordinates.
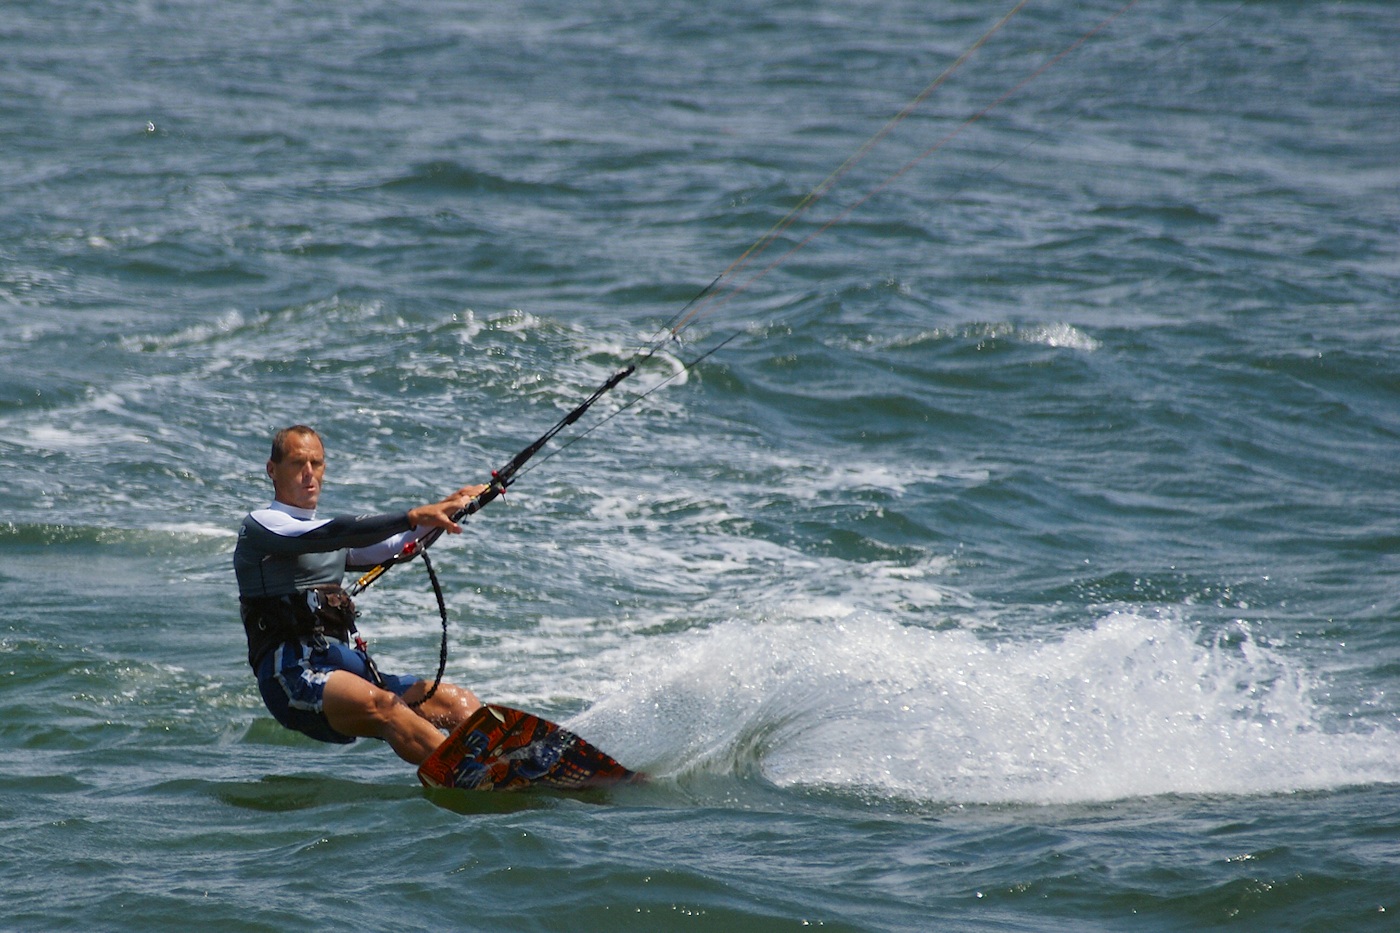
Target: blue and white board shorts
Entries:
(292, 680)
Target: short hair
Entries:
(279, 440)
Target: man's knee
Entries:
(383, 706)
(448, 706)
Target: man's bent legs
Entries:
(354, 706)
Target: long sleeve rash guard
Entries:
(283, 550)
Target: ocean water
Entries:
(1025, 560)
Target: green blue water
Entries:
(1025, 561)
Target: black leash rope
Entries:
(442, 651)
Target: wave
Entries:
(161, 537)
(1134, 706)
(1055, 335)
(440, 178)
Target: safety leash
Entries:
(442, 651)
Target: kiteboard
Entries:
(499, 748)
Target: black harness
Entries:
(319, 613)
(316, 614)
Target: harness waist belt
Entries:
(321, 611)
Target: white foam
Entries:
(1058, 335)
(517, 322)
(57, 438)
(1133, 706)
(1061, 336)
(196, 529)
(468, 327)
(195, 334)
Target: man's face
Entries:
(296, 480)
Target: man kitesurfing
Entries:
(312, 668)
(313, 671)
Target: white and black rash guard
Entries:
(283, 550)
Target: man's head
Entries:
(297, 466)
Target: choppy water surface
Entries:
(1026, 561)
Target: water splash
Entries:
(1134, 706)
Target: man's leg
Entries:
(354, 706)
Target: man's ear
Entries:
(269, 469)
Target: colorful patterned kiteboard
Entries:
(499, 748)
